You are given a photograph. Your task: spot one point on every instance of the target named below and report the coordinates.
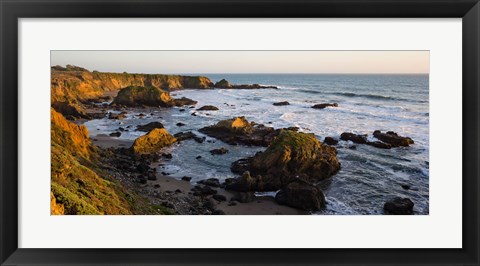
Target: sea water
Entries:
(368, 177)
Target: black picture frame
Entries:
(11, 11)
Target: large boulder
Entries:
(393, 138)
(139, 96)
(239, 131)
(223, 84)
(399, 206)
(208, 108)
(291, 156)
(301, 195)
(153, 141)
(149, 127)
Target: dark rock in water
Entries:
(180, 136)
(379, 144)
(399, 206)
(194, 114)
(239, 131)
(330, 141)
(244, 197)
(198, 157)
(281, 103)
(184, 101)
(292, 155)
(353, 147)
(218, 151)
(115, 134)
(219, 197)
(167, 155)
(121, 129)
(203, 190)
(180, 124)
(116, 116)
(324, 105)
(181, 110)
(141, 115)
(223, 84)
(208, 108)
(406, 187)
(393, 138)
(213, 182)
(152, 176)
(186, 178)
(360, 139)
(149, 127)
(218, 212)
(301, 195)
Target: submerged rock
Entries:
(301, 195)
(219, 151)
(239, 131)
(399, 206)
(379, 144)
(115, 134)
(291, 156)
(324, 105)
(281, 103)
(360, 139)
(153, 141)
(208, 108)
(393, 138)
(150, 126)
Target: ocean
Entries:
(368, 177)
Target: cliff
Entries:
(79, 184)
(76, 84)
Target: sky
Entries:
(205, 62)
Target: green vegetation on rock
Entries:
(149, 96)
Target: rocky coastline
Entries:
(110, 176)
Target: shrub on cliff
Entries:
(153, 141)
(138, 96)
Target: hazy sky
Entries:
(246, 61)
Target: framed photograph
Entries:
(226, 132)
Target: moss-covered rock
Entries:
(291, 156)
(153, 141)
(140, 96)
